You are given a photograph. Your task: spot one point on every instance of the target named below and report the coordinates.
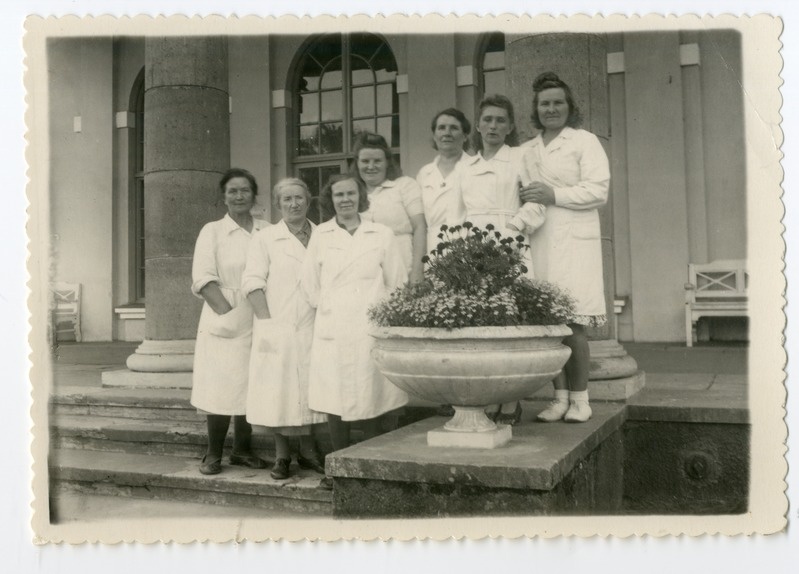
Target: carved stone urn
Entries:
(471, 368)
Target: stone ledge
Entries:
(537, 458)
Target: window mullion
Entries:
(347, 95)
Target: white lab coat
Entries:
(222, 350)
(277, 395)
(567, 248)
(343, 276)
(490, 191)
(441, 197)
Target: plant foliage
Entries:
(475, 278)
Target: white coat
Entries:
(567, 249)
(281, 345)
(343, 276)
(490, 191)
(222, 350)
(441, 197)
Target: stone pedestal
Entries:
(547, 468)
(187, 148)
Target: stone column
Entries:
(187, 148)
(581, 61)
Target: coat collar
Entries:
(229, 226)
(330, 226)
(503, 154)
(565, 134)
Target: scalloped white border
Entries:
(762, 63)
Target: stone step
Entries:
(175, 478)
(152, 436)
(164, 404)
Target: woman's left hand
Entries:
(538, 192)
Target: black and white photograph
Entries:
(347, 278)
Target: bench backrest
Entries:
(721, 279)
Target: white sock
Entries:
(561, 395)
(578, 396)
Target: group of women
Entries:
(305, 358)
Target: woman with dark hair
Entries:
(574, 178)
(394, 200)
(277, 397)
(490, 183)
(222, 351)
(351, 263)
(439, 180)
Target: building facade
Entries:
(668, 107)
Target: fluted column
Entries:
(187, 148)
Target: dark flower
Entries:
(467, 224)
(444, 227)
(490, 227)
(520, 238)
(523, 269)
(425, 259)
(497, 234)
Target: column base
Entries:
(609, 360)
(163, 357)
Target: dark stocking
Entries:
(217, 431)
(339, 432)
(242, 435)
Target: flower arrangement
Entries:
(475, 278)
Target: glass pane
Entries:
(494, 60)
(385, 129)
(308, 143)
(331, 138)
(386, 75)
(325, 49)
(310, 175)
(332, 76)
(361, 77)
(328, 171)
(309, 108)
(360, 126)
(332, 106)
(494, 82)
(385, 99)
(309, 76)
(363, 102)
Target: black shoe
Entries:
(281, 469)
(311, 463)
(248, 460)
(445, 411)
(510, 418)
(210, 466)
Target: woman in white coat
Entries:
(351, 264)
(490, 183)
(567, 250)
(277, 395)
(222, 351)
(439, 180)
(395, 200)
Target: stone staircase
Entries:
(147, 443)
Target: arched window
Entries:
(493, 64)
(344, 84)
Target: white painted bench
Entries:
(715, 289)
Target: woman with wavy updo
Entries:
(574, 178)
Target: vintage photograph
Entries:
(339, 277)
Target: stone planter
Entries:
(471, 368)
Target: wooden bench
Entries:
(716, 289)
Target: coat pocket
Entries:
(585, 225)
(234, 323)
